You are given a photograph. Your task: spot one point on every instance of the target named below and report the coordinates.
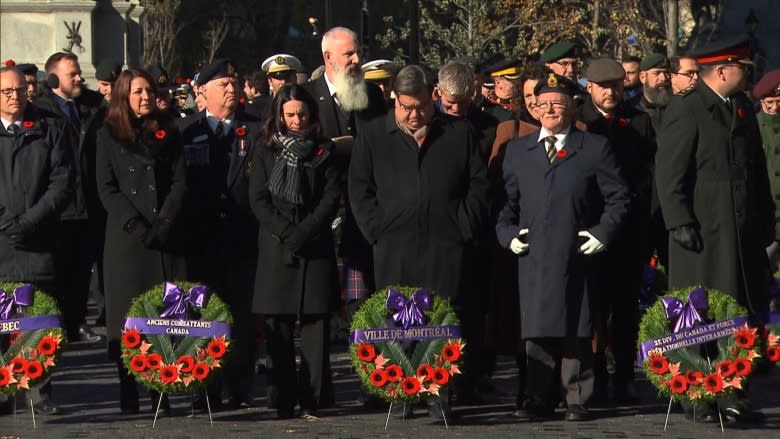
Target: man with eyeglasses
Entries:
(684, 72)
(714, 191)
(630, 134)
(561, 58)
(566, 202)
(418, 189)
(767, 91)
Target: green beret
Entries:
(556, 84)
(605, 70)
(654, 61)
(561, 49)
(108, 71)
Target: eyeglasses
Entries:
(573, 63)
(689, 75)
(409, 108)
(558, 105)
(742, 67)
(8, 92)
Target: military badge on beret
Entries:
(552, 81)
(280, 60)
(231, 71)
(162, 80)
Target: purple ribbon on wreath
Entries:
(409, 311)
(686, 314)
(23, 295)
(178, 301)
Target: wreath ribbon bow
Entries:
(409, 311)
(178, 301)
(23, 295)
(686, 314)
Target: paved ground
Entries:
(86, 386)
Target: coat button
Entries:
(222, 196)
(151, 188)
(154, 210)
(148, 167)
(222, 215)
(131, 168)
(133, 191)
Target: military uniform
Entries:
(769, 125)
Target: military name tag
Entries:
(196, 155)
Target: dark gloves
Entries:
(138, 228)
(158, 234)
(688, 237)
(17, 230)
(293, 240)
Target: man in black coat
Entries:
(218, 148)
(83, 221)
(713, 186)
(418, 188)
(630, 134)
(34, 190)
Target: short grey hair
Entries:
(412, 80)
(331, 34)
(456, 79)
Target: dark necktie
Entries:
(11, 129)
(220, 131)
(550, 141)
(74, 115)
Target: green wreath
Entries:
(174, 363)
(685, 374)
(405, 370)
(31, 355)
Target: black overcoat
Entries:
(711, 173)
(304, 280)
(582, 191)
(144, 179)
(419, 206)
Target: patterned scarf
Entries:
(285, 181)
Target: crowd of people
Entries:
(530, 194)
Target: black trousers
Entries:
(576, 370)
(78, 255)
(311, 382)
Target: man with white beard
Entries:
(346, 102)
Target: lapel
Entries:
(392, 130)
(241, 150)
(738, 102)
(573, 145)
(329, 113)
(537, 151)
(714, 105)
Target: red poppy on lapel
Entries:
(623, 122)
(27, 124)
(241, 132)
(740, 113)
(242, 100)
(561, 154)
(320, 151)
(160, 134)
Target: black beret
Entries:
(108, 71)
(559, 50)
(768, 86)
(605, 70)
(654, 61)
(27, 69)
(735, 49)
(219, 68)
(556, 84)
(159, 75)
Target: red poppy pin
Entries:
(242, 100)
(27, 124)
(160, 134)
(623, 122)
(241, 132)
(561, 154)
(740, 113)
(320, 151)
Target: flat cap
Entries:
(605, 70)
(27, 69)
(108, 71)
(507, 68)
(281, 65)
(219, 68)
(556, 51)
(379, 70)
(159, 75)
(768, 86)
(654, 61)
(556, 84)
(735, 49)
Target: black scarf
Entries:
(285, 181)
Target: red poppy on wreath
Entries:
(169, 374)
(187, 363)
(411, 385)
(773, 354)
(217, 348)
(200, 371)
(5, 376)
(13, 336)
(743, 366)
(366, 352)
(694, 377)
(139, 363)
(394, 373)
(745, 337)
(154, 361)
(726, 368)
(33, 370)
(659, 364)
(623, 122)
(160, 134)
(678, 384)
(425, 371)
(713, 383)
(241, 132)
(441, 376)
(378, 378)
(47, 345)
(27, 124)
(131, 338)
(740, 113)
(561, 154)
(451, 351)
(18, 364)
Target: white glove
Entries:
(592, 245)
(518, 247)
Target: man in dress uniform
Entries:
(561, 58)
(631, 136)
(382, 72)
(500, 103)
(218, 146)
(566, 201)
(281, 69)
(767, 90)
(713, 186)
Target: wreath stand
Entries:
(32, 410)
(390, 410)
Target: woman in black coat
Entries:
(294, 191)
(141, 182)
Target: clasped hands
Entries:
(590, 247)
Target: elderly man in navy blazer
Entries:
(566, 202)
